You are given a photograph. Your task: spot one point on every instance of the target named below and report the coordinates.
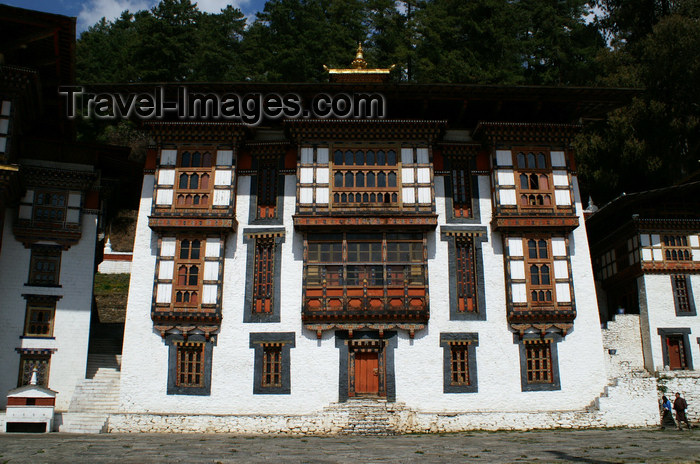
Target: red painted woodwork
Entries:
(290, 159)
(15, 401)
(92, 199)
(367, 373)
(244, 160)
(675, 353)
(151, 155)
(483, 161)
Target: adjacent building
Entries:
(50, 209)
(646, 253)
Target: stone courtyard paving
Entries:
(587, 446)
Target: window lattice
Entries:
(539, 362)
(45, 266)
(187, 279)
(466, 275)
(676, 248)
(267, 187)
(190, 364)
(27, 365)
(534, 183)
(263, 278)
(540, 286)
(461, 188)
(39, 321)
(680, 290)
(194, 180)
(272, 366)
(368, 177)
(50, 206)
(459, 364)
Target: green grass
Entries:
(108, 284)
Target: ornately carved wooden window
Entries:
(267, 187)
(190, 364)
(466, 274)
(272, 365)
(539, 270)
(263, 277)
(50, 206)
(459, 363)
(193, 179)
(187, 286)
(538, 354)
(365, 261)
(533, 179)
(460, 174)
(676, 248)
(367, 177)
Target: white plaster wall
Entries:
(72, 317)
(314, 363)
(661, 313)
(114, 267)
(419, 362)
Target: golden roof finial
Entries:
(358, 70)
(359, 61)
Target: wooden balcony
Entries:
(365, 306)
(205, 220)
(541, 317)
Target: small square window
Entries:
(45, 265)
(39, 320)
(459, 362)
(272, 359)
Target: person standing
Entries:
(667, 414)
(680, 405)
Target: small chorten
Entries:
(358, 71)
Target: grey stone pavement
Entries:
(586, 446)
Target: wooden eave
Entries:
(531, 222)
(224, 132)
(527, 133)
(318, 221)
(462, 105)
(365, 129)
(183, 222)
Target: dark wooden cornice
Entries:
(201, 131)
(500, 133)
(365, 129)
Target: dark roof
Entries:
(463, 105)
(676, 204)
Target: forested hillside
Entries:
(653, 45)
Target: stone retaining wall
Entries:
(687, 383)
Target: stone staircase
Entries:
(96, 397)
(367, 416)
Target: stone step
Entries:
(83, 422)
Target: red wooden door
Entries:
(367, 373)
(675, 354)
